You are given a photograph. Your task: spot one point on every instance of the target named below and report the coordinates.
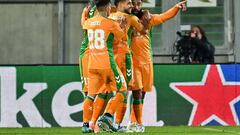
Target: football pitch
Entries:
(166, 130)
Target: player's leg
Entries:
(124, 61)
(98, 106)
(132, 115)
(137, 95)
(137, 105)
(147, 74)
(95, 83)
(120, 113)
(88, 101)
(136, 111)
(87, 113)
(115, 101)
(106, 120)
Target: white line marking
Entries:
(222, 131)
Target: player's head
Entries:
(124, 5)
(137, 5)
(103, 5)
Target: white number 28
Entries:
(96, 39)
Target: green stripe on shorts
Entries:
(112, 61)
(128, 68)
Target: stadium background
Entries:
(39, 32)
(49, 32)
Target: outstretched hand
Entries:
(182, 5)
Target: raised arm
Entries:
(84, 15)
(156, 19)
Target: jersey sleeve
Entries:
(85, 25)
(157, 19)
(135, 22)
(84, 15)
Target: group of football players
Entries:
(115, 58)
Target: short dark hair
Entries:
(117, 1)
(102, 3)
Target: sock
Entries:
(132, 116)
(114, 102)
(121, 112)
(108, 104)
(109, 96)
(137, 107)
(98, 106)
(87, 109)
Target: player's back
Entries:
(101, 33)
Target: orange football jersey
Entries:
(101, 34)
(141, 43)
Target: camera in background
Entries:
(193, 47)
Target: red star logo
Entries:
(213, 98)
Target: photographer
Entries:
(204, 50)
(194, 47)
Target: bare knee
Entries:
(137, 94)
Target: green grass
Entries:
(167, 130)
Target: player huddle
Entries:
(115, 57)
